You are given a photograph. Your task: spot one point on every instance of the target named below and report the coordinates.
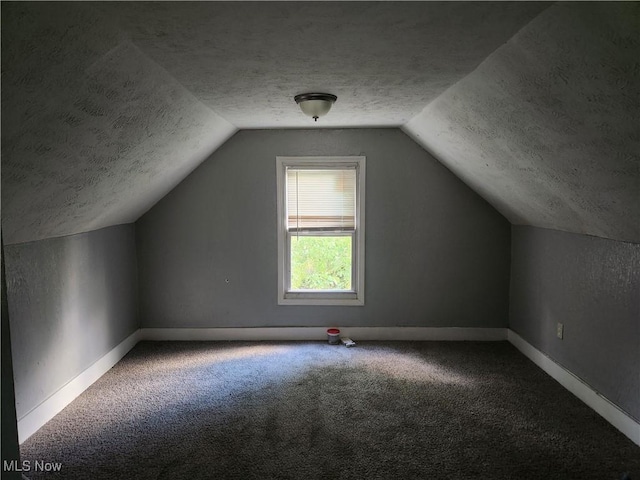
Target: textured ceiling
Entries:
(547, 128)
(93, 131)
(384, 60)
(107, 106)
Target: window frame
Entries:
(354, 297)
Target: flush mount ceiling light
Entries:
(315, 104)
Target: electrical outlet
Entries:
(560, 331)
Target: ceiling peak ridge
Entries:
(480, 65)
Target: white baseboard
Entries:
(320, 333)
(604, 407)
(37, 417)
(29, 423)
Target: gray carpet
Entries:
(308, 410)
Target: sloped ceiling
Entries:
(547, 128)
(384, 60)
(93, 131)
(107, 106)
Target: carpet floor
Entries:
(308, 410)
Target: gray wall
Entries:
(10, 449)
(592, 286)
(71, 300)
(436, 253)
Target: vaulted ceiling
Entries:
(107, 106)
(547, 128)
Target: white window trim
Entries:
(352, 298)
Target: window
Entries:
(320, 230)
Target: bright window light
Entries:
(321, 230)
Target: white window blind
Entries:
(321, 199)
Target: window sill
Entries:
(324, 298)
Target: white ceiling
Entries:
(107, 106)
(384, 60)
(547, 128)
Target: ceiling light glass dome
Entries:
(315, 105)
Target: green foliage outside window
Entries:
(321, 263)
